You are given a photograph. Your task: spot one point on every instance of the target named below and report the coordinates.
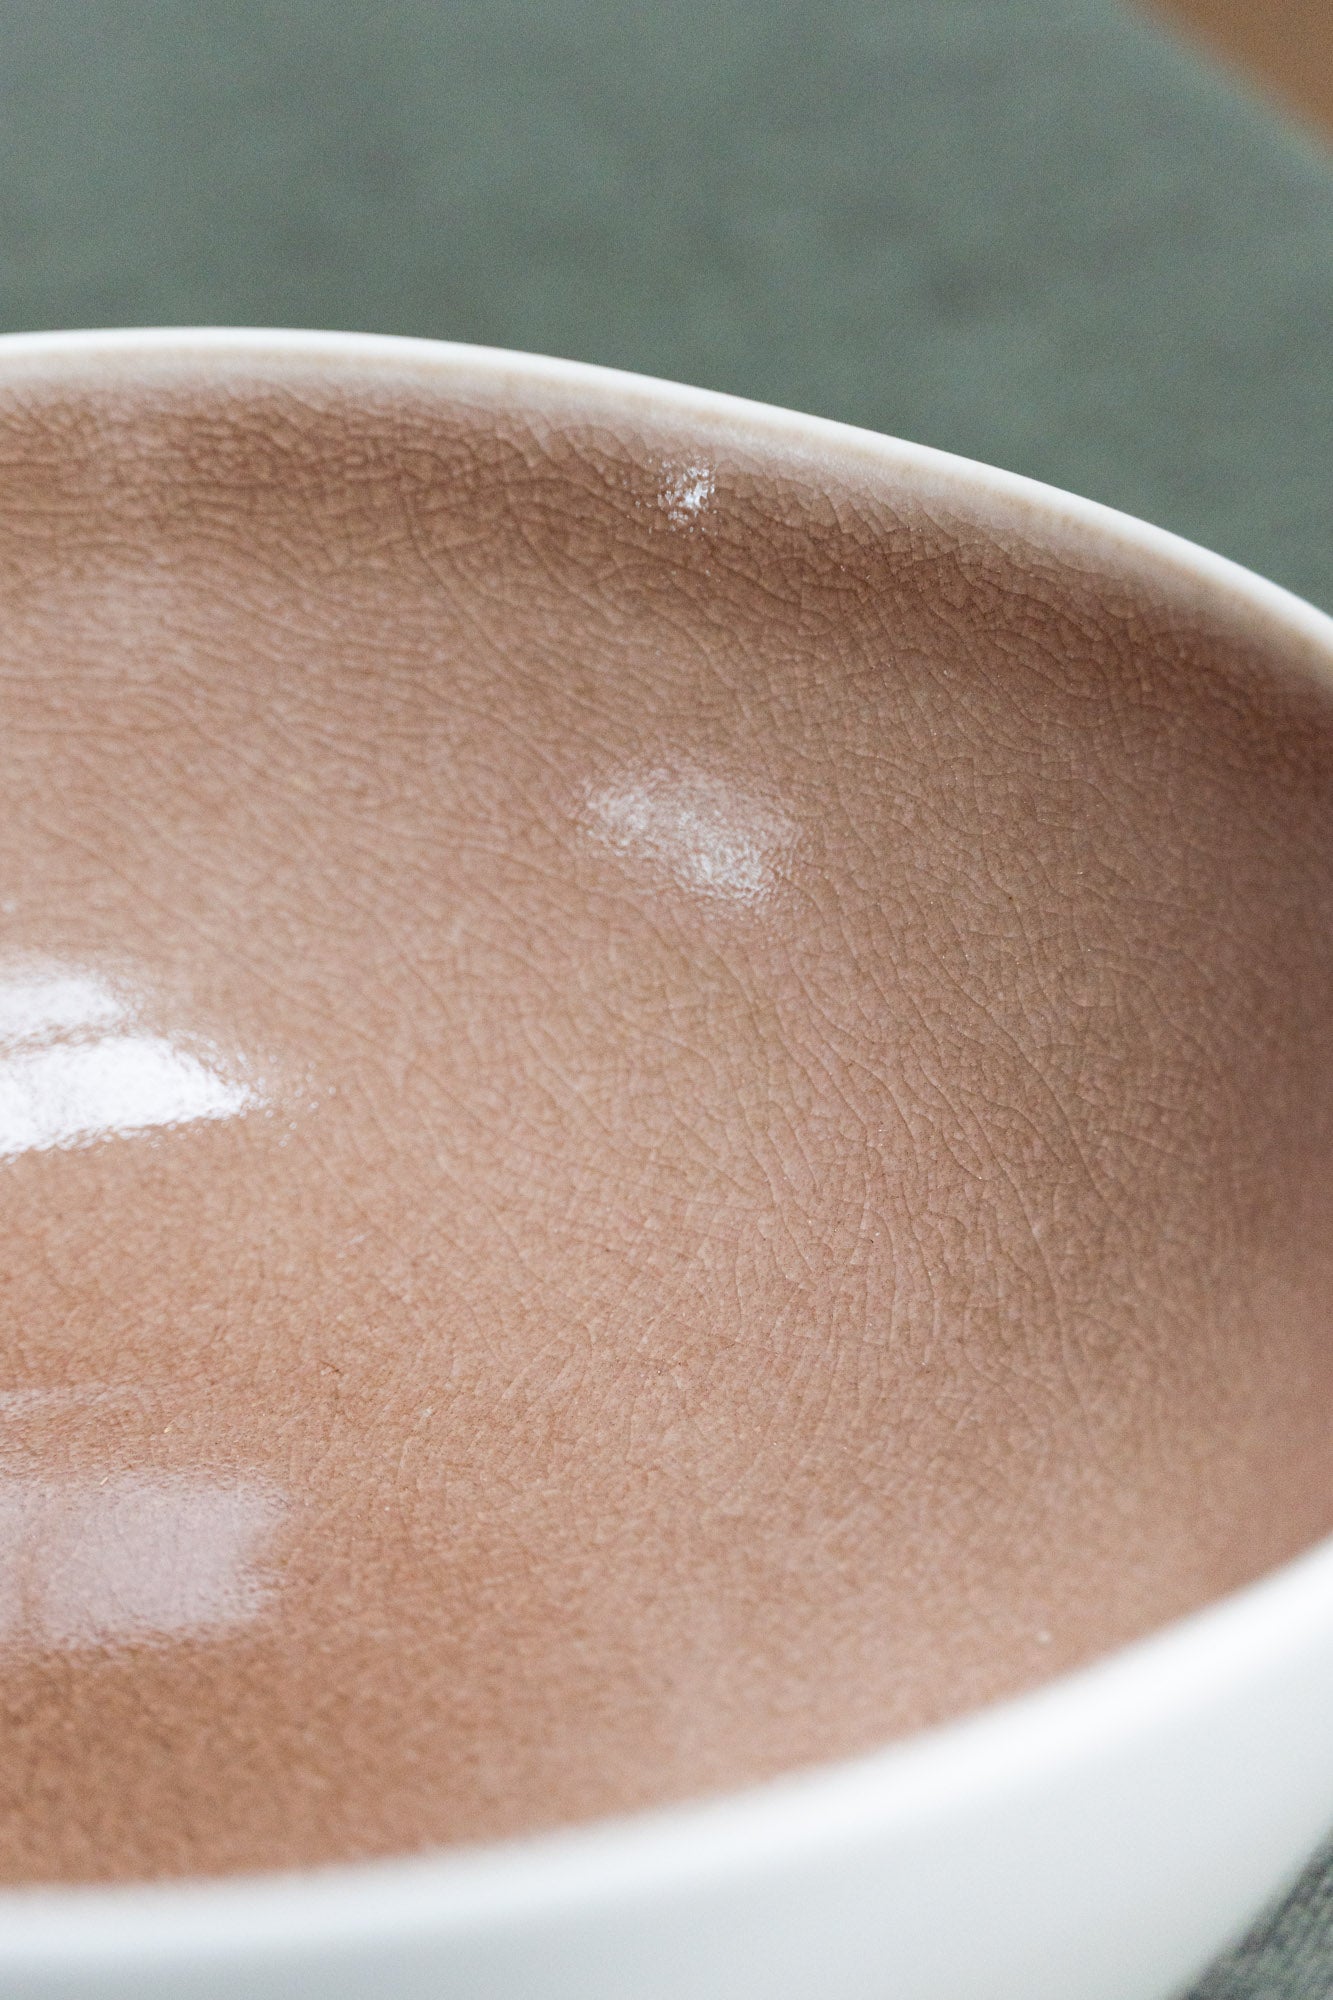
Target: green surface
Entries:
(1288, 1957)
(1034, 233)
(1028, 232)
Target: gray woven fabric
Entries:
(1027, 230)
(1290, 1955)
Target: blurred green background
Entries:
(1033, 231)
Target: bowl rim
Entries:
(1005, 1749)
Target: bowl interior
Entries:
(664, 1103)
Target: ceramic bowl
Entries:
(666, 1087)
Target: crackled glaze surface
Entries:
(665, 1107)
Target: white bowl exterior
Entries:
(1100, 1839)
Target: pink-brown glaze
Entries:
(665, 1108)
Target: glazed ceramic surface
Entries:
(664, 1099)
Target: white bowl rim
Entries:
(1003, 1750)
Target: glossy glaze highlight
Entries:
(76, 1066)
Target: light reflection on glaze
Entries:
(35, 1005)
(130, 1556)
(76, 1067)
(687, 491)
(711, 837)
